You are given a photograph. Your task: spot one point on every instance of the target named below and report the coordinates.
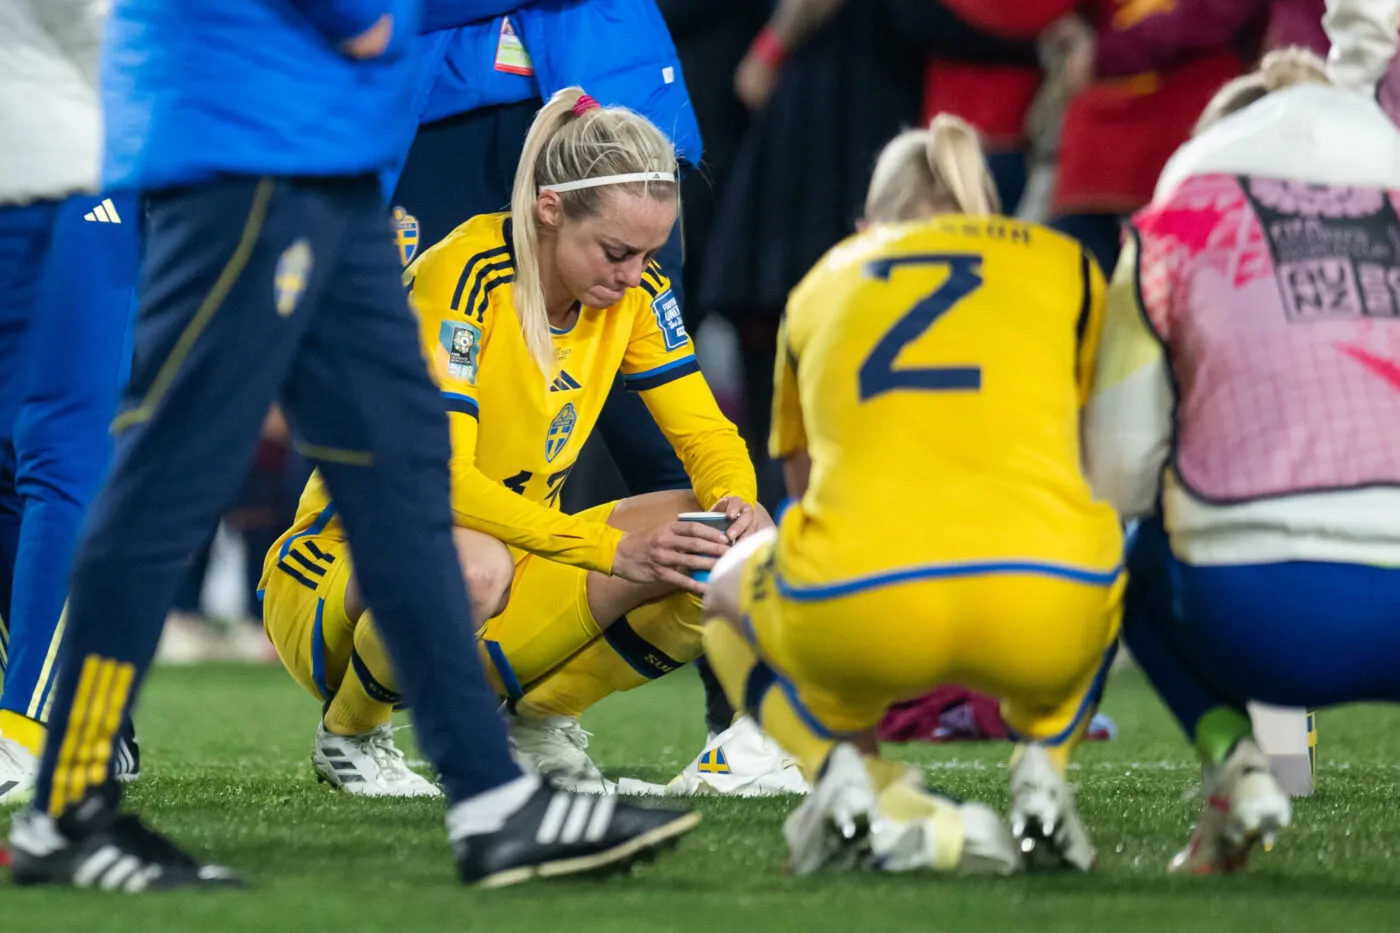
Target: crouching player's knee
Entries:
(723, 595)
(488, 570)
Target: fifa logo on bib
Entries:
(560, 430)
(405, 234)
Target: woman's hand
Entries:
(744, 519)
(667, 553)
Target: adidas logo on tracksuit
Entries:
(104, 213)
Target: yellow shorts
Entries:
(1038, 636)
(305, 617)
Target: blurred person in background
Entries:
(1249, 382)
(712, 38)
(63, 343)
(1137, 75)
(987, 79)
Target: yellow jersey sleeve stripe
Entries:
(477, 306)
(651, 284)
(660, 375)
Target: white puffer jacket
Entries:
(50, 119)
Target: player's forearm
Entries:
(794, 20)
(486, 506)
(709, 446)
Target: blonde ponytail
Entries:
(571, 141)
(937, 170)
(955, 158)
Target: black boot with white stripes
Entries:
(553, 832)
(93, 845)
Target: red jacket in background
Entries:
(993, 98)
(1159, 62)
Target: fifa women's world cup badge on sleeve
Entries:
(459, 345)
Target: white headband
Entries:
(610, 180)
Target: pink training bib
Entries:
(1279, 306)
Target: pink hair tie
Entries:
(585, 104)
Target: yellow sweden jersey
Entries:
(935, 373)
(516, 435)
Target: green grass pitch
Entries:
(226, 772)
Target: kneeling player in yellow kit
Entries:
(928, 389)
(526, 319)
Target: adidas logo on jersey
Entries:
(104, 213)
(564, 383)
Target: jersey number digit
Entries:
(877, 373)
(516, 483)
(555, 483)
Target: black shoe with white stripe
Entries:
(558, 832)
(126, 755)
(93, 845)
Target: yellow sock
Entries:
(733, 661)
(28, 732)
(369, 689)
(649, 642)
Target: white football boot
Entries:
(1244, 806)
(742, 761)
(845, 824)
(367, 765)
(832, 827)
(557, 747)
(18, 768)
(1044, 821)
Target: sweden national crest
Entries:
(405, 234)
(289, 278)
(560, 430)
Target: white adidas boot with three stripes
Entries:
(368, 765)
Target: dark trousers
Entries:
(256, 290)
